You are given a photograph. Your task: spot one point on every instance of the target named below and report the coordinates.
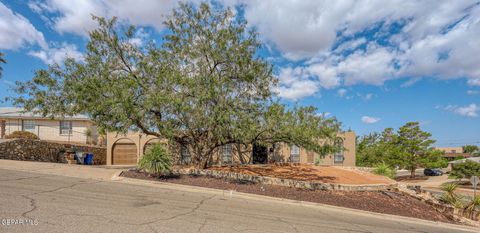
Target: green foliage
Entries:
(408, 148)
(22, 134)
(384, 170)
(473, 205)
(157, 160)
(470, 149)
(465, 169)
(450, 197)
(204, 87)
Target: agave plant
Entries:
(156, 161)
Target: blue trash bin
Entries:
(88, 159)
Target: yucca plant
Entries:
(450, 197)
(384, 170)
(473, 205)
(157, 161)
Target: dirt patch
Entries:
(305, 172)
(375, 201)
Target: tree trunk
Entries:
(412, 173)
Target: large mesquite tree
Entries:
(203, 87)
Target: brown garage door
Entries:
(124, 154)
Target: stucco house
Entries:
(72, 129)
(127, 149)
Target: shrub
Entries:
(318, 161)
(22, 134)
(157, 160)
(384, 170)
(465, 169)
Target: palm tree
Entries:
(2, 60)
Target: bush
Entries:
(465, 169)
(385, 170)
(318, 161)
(156, 161)
(22, 134)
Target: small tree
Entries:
(465, 169)
(157, 161)
(470, 149)
(415, 149)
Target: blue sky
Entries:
(372, 64)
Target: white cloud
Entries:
(468, 111)
(473, 92)
(57, 54)
(474, 82)
(439, 39)
(294, 84)
(16, 31)
(342, 92)
(370, 120)
(74, 16)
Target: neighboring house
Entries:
(127, 150)
(452, 153)
(75, 129)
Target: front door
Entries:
(259, 154)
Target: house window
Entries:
(65, 127)
(226, 152)
(28, 125)
(294, 154)
(339, 157)
(185, 154)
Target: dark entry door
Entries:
(259, 154)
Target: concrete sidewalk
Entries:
(71, 170)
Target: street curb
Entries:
(187, 188)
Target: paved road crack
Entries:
(33, 201)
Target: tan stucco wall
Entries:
(47, 129)
(140, 140)
(450, 149)
(281, 152)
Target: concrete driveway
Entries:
(61, 203)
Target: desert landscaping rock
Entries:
(387, 202)
(45, 151)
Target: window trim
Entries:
(227, 153)
(294, 153)
(33, 123)
(70, 128)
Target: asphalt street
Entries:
(37, 202)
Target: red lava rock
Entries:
(385, 202)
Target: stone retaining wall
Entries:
(311, 185)
(44, 151)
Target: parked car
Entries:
(432, 172)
